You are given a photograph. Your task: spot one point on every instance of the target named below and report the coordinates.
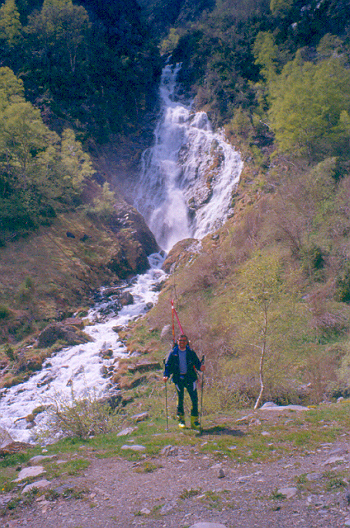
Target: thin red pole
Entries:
(177, 318)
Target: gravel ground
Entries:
(183, 487)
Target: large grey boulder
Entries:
(54, 332)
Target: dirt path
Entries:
(183, 487)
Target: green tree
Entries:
(56, 43)
(23, 135)
(11, 88)
(39, 171)
(104, 206)
(281, 7)
(76, 164)
(10, 24)
(308, 106)
(265, 318)
(266, 54)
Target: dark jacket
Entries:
(172, 365)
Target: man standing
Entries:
(182, 364)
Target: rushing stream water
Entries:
(81, 367)
(185, 190)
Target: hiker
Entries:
(183, 364)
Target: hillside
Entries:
(266, 297)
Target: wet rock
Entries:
(106, 354)
(104, 371)
(111, 291)
(58, 331)
(126, 298)
(118, 328)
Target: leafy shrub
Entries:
(5, 312)
(82, 417)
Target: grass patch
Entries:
(223, 438)
(212, 500)
(146, 467)
(189, 493)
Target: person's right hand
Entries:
(165, 379)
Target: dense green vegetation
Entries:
(71, 76)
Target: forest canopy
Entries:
(40, 171)
(93, 68)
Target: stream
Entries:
(185, 190)
(81, 368)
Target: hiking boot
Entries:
(181, 419)
(195, 423)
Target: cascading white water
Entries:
(82, 367)
(185, 190)
(190, 173)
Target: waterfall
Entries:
(185, 190)
(189, 174)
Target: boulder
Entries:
(289, 492)
(39, 484)
(144, 366)
(76, 322)
(126, 298)
(140, 417)
(14, 447)
(134, 242)
(29, 472)
(133, 447)
(60, 332)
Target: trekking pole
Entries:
(166, 403)
(202, 384)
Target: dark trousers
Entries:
(192, 391)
